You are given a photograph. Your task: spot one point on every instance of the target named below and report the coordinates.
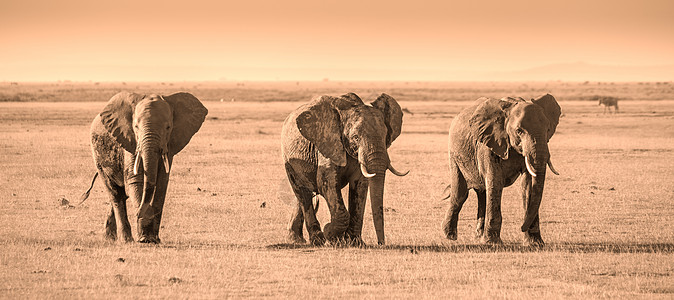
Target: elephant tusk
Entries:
(396, 172)
(164, 157)
(365, 173)
(529, 167)
(136, 163)
(552, 168)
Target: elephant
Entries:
(491, 144)
(608, 102)
(331, 142)
(133, 141)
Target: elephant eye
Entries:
(519, 131)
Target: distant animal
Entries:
(491, 144)
(609, 101)
(133, 141)
(331, 142)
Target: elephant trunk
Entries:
(377, 205)
(373, 162)
(536, 160)
(376, 162)
(150, 154)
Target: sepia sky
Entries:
(310, 39)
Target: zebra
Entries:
(609, 101)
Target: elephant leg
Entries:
(303, 195)
(303, 210)
(339, 216)
(111, 225)
(533, 235)
(357, 199)
(117, 225)
(481, 210)
(316, 236)
(134, 188)
(121, 216)
(493, 218)
(152, 233)
(295, 232)
(458, 193)
(110, 222)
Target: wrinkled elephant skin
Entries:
(133, 141)
(332, 142)
(491, 144)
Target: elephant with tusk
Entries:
(491, 144)
(133, 141)
(331, 142)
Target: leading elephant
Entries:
(331, 142)
(133, 141)
(491, 144)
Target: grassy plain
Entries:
(608, 219)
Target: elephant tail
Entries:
(447, 192)
(85, 196)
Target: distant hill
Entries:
(581, 71)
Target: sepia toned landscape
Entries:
(607, 219)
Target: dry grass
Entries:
(292, 91)
(608, 219)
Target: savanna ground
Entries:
(608, 219)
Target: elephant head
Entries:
(525, 127)
(154, 128)
(341, 126)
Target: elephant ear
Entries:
(552, 111)
(487, 124)
(347, 101)
(320, 124)
(393, 116)
(188, 115)
(117, 118)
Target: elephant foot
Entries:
(479, 235)
(317, 239)
(450, 232)
(479, 228)
(295, 238)
(110, 232)
(354, 241)
(149, 240)
(333, 234)
(110, 236)
(491, 240)
(533, 239)
(124, 237)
